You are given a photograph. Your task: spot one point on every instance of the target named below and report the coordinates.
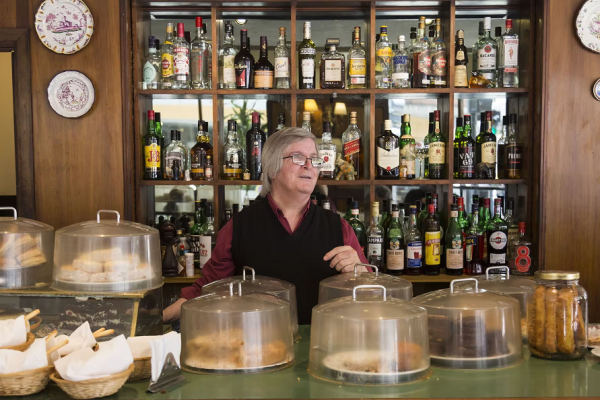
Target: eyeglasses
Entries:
(299, 159)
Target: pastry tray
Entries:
(100, 287)
(248, 370)
(501, 361)
(27, 277)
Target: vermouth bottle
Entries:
(181, 60)
(282, 62)
(497, 237)
(466, 152)
(375, 238)
(388, 153)
(357, 63)
(352, 149)
(394, 243)
(437, 150)
(307, 53)
(407, 149)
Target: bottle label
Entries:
(400, 62)
(282, 67)
(470, 248)
(229, 70)
(438, 63)
(383, 61)
(199, 64)
(460, 55)
(514, 156)
(466, 159)
(205, 249)
(488, 152)
(414, 254)
(497, 259)
(388, 160)
(460, 76)
(241, 75)
(486, 57)
(263, 79)
(498, 240)
(195, 246)
(399, 76)
(208, 172)
(454, 258)
(167, 65)
(511, 53)
(358, 71)
(395, 258)
(523, 259)
(196, 169)
(308, 51)
(408, 155)
(152, 156)
(374, 244)
(432, 248)
(351, 147)
(149, 73)
(328, 157)
(308, 70)
(333, 70)
(425, 63)
(232, 165)
(437, 153)
(181, 62)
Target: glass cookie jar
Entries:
(557, 316)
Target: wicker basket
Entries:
(26, 382)
(22, 346)
(93, 388)
(35, 323)
(143, 369)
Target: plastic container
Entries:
(342, 285)
(107, 256)
(557, 317)
(26, 251)
(260, 284)
(236, 333)
(367, 340)
(472, 329)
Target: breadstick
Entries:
(56, 347)
(539, 302)
(51, 335)
(32, 314)
(551, 297)
(104, 333)
(531, 324)
(99, 330)
(564, 322)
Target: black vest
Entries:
(261, 242)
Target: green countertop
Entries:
(534, 378)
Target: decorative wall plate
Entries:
(71, 94)
(64, 26)
(588, 25)
(596, 90)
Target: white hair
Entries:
(273, 151)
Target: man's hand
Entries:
(173, 312)
(343, 259)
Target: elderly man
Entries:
(284, 236)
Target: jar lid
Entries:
(557, 275)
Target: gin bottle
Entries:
(200, 59)
(383, 60)
(181, 60)
(509, 57)
(486, 50)
(227, 54)
(400, 75)
(152, 68)
(357, 63)
(282, 62)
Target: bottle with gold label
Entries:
(486, 145)
(200, 152)
(433, 242)
(151, 150)
(383, 61)
(263, 69)
(357, 63)
(461, 59)
(166, 57)
(233, 153)
(407, 149)
(437, 149)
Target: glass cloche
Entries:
(342, 285)
(107, 256)
(260, 284)
(472, 329)
(236, 332)
(26, 248)
(369, 340)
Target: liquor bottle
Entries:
(421, 59)
(227, 54)
(485, 53)
(200, 151)
(152, 66)
(233, 153)
(458, 136)
(281, 122)
(497, 237)
(454, 244)
(466, 152)
(438, 215)
(384, 215)
(306, 120)
(486, 145)
(374, 238)
(509, 58)
(501, 149)
(357, 63)
(438, 57)
(401, 71)
(388, 153)
(255, 139)
(498, 38)
(207, 235)
(226, 220)
(209, 168)
(161, 143)
(151, 150)
(166, 55)
(200, 58)
(474, 260)
(514, 150)
(383, 60)
(244, 64)
(282, 62)
(263, 69)
(462, 215)
(407, 149)
(195, 233)
(348, 214)
(181, 60)
(432, 237)
(437, 150)
(327, 151)
(521, 262)
(333, 69)
(423, 212)
(357, 226)
(414, 244)
(484, 220)
(424, 152)
(351, 147)
(176, 156)
(307, 53)
(394, 244)
(461, 60)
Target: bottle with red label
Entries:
(327, 151)
(351, 149)
(244, 64)
(521, 261)
(497, 237)
(181, 60)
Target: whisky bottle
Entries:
(461, 60)
(421, 59)
(394, 253)
(167, 59)
(414, 244)
(454, 244)
(181, 60)
(351, 146)
(501, 149)
(388, 153)
(458, 135)
(327, 151)
(151, 150)
(201, 150)
(486, 147)
(263, 69)
(432, 237)
(407, 149)
(474, 259)
(282, 62)
(307, 53)
(375, 238)
(466, 152)
(333, 69)
(437, 150)
(227, 54)
(514, 150)
(383, 60)
(176, 156)
(438, 57)
(233, 153)
(497, 237)
(357, 63)
(255, 138)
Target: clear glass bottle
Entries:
(306, 121)
(414, 244)
(208, 235)
(208, 168)
(306, 58)
(209, 43)
(351, 146)
(411, 53)
(233, 153)
(166, 55)
(357, 63)
(176, 156)
(509, 57)
(514, 150)
(383, 60)
(282, 62)
(327, 151)
(400, 75)
(151, 73)
(333, 69)
(281, 122)
(181, 60)
(486, 50)
(200, 58)
(421, 59)
(438, 57)
(375, 238)
(227, 54)
(394, 244)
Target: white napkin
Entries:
(111, 358)
(13, 332)
(52, 357)
(34, 357)
(140, 345)
(169, 343)
(81, 338)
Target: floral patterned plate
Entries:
(71, 94)
(64, 26)
(588, 25)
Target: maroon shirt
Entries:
(221, 264)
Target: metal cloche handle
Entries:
(249, 269)
(10, 208)
(108, 211)
(504, 267)
(239, 288)
(364, 265)
(369, 287)
(464, 280)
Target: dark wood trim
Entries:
(127, 80)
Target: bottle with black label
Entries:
(466, 152)
(388, 153)
(433, 245)
(514, 150)
(497, 237)
(394, 246)
(414, 244)
(486, 145)
(437, 150)
(375, 238)
(454, 244)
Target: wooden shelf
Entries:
(182, 279)
(238, 183)
(175, 183)
(489, 181)
(490, 90)
(331, 182)
(410, 182)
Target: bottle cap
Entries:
(151, 41)
(326, 126)
(180, 30)
(263, 39)
(467, 119)
(231, 125)
(509, 24)
(488, 115)
(431, 209)
(354, 205)
(401, 38)
(413, 29)
(460, 200)
(486, 202)
(306, 116)
(281, 31)
(475, 207)
(436, 115)
(387, 125)
(522, 227)
(151, 115)
(454, 207)
(497, 202)
(459, 122)
(395, 207)
(157, 116)
(173, 135)
(198, 22)
(460, 34)
(406, 118)
(255, 118)
(383, 29)
(307, 23)
(487, 23)
(394, 47)
(412, 210)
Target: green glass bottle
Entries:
(458, 136)
(407, 150)
(161, 142)
(151, 150)
(437, 150)
(394, 245)
(357, 225)
(384, 216)
(427, 141)
(466, 152)
(195, 231)
(423, 213)
(306, 58)
(462, 216)
(485, 216)
(348, 215)
(486, 144)
(454, 244)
